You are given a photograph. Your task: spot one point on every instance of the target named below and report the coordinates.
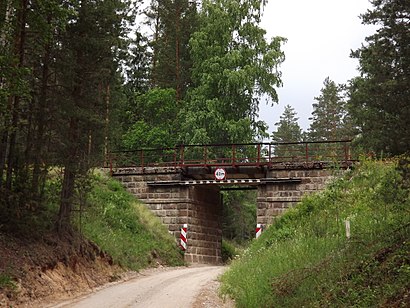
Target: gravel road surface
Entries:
(182, 287)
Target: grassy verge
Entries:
(305, 258)
(125, 229)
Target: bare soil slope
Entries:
(49, 268)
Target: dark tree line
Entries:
(58, 64)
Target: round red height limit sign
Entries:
(220, 174)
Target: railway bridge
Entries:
(182, 185)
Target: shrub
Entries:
(229, 251)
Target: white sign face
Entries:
(220, 174)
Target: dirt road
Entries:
(181, 287)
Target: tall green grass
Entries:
(125, 228)
(305, 258)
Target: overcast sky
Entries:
(321, 34)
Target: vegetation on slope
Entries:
(305, 258)
(109, 227)
(125, 228)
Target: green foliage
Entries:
(153, 117)
(305, 259)
(233, 64)
(379, 98)
(58, 76)
(239, 215)
(288, 129)
(229, 251)
(173, 23)
(125, 229)
(330, 120)
(6, 282)
(31, 214)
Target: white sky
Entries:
(321, 34)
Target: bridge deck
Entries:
(252, 158)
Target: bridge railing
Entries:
(252, 154)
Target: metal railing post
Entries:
(233, 154)
(259, 154)
(181, 155)
(205, 155)
(110, 159)
(306, 152)
(346, 151)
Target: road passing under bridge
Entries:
(182, 185)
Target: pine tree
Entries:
(58, 71)
(380, 97)
(87, 66)
(173, 22)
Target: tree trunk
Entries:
(39, 140)
(70, 171)
(19, 51)
(67, 192)
(177, 53)
(107, 123)
(154, 80)
(3, 84)
(3, 154)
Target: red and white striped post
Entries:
(259, 229)
(183, 237)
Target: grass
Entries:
(305, 259)
(113, 219)
(125, 228)
(6, 282)
(230, 250)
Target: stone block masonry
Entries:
(198, 206)
(274, 199)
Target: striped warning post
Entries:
(183, 237)
(258, 230)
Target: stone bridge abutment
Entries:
(200, 207)
(288, 189)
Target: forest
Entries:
(79, 79)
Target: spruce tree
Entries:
(87, 67)
(329, 117)
(288, 130)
